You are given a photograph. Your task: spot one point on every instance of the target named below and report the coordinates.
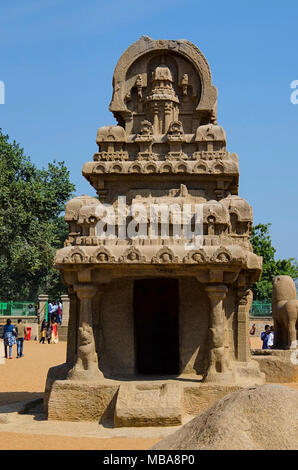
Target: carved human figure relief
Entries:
(184, 84)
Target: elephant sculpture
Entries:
(285, 312)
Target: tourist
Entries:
(21, 333)
(54, 332)
(48, 332)
(265, 335)
(55, 311)
(43, 331)
(50, 311)
(9, 336)
(270, 341)
(59, 313)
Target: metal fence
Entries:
(22, 308)
(261, 309)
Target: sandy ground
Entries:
(255, 342)
(24, 379)
(17, 441)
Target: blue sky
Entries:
(57, 63)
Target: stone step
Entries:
(149, 405)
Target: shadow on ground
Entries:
(29, 404)
(8, 398)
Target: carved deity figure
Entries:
(175, 132)
(76, 258)
(223, 257)
(102, 258)
(184, 84)
(198, 257)
(165, 257)
(146, 129)
(132, 257)
(139, 85)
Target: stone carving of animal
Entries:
(218, 359)
(285, 312)
(86, 367)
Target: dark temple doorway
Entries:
(156, 319)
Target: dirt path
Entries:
(24, 378)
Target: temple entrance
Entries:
(156, 319)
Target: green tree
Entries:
(262, 246)
(31, 223)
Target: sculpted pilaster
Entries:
(244, 303)
(219, 363)
(72, 327)
(86, 367)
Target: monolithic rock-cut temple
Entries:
(158, 324)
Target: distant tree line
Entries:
(32, 227)
(262, 246)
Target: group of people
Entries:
(55, 312)
(49, 331)
(14, 335)
(267, 336)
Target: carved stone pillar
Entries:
(42, 310)
(168, 116)
(244, 301)
(72, 331)
(218, 365)
(65, 309)
(97, 323)
(86, 367)
(156, 119)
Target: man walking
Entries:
(21, 333)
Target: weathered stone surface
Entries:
(167, 150)
(140, 403)
(261, 418)
(54, 373)
(77, 401)
(198, 398)
(285, 312)
(278, 366)
(149, 404)
(248, 373)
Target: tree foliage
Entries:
(32, 228)
(262, 246)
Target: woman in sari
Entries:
(9, 336)
(54, 334)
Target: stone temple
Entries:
(158, 324)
